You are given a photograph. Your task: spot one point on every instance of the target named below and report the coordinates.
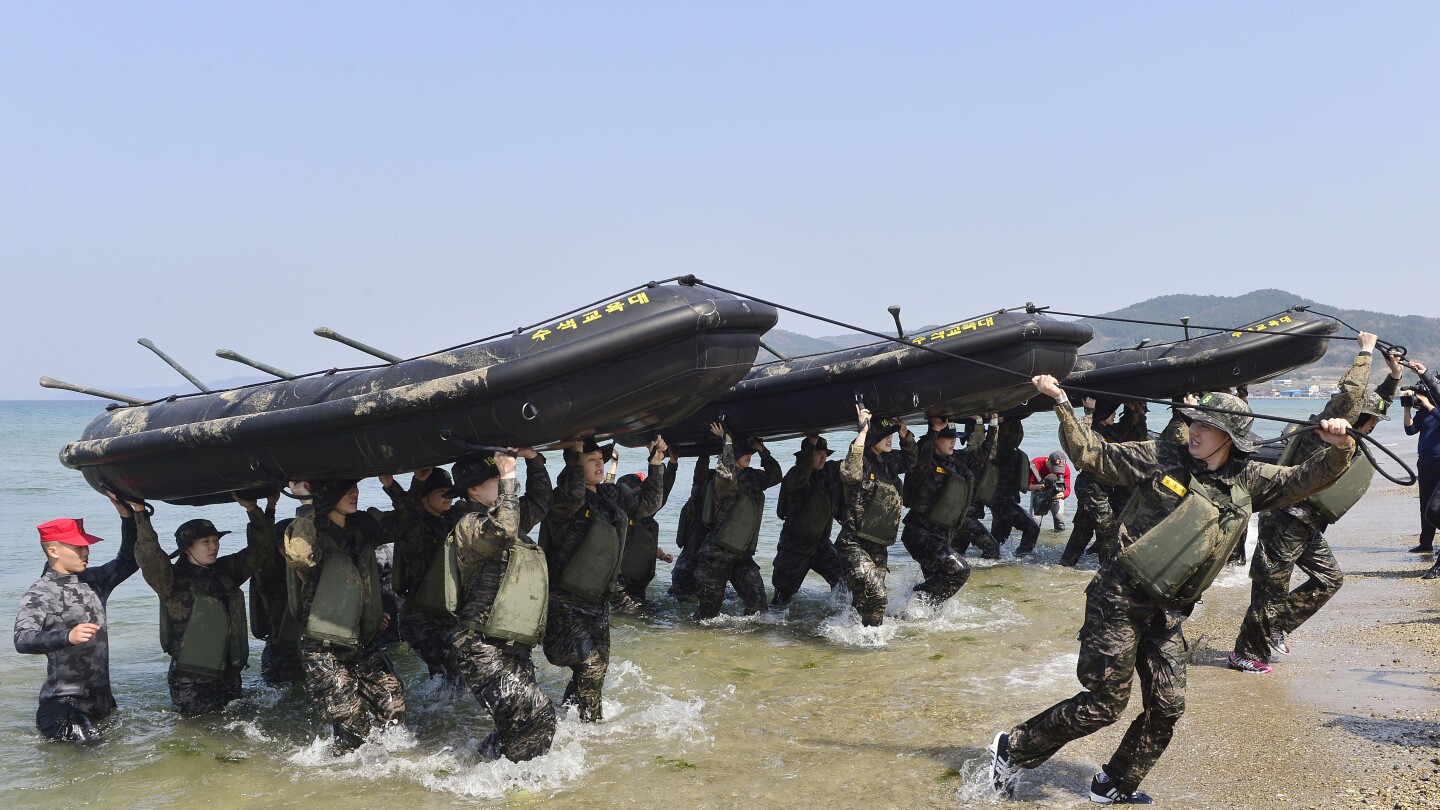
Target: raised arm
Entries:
(539, 492)
(1345, 403)
(1123, 464)
(259, 542)
(1273, 486)
(651, 495)
(155, 564)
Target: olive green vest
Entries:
(214, 636)
(987, 485)
(740, 533)
(813, 517)
(591, 572)
(1332, 502)
(951, 502)
(341, 613)
(1177, 559)
(637, 564)
(438, 593)
(518, 614)
(880, 525)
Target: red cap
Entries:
(641, 476)
(70, 531)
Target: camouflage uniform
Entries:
(1125, 631)
(689, 533)
(427, 634)
(717, 565)
(577, 630)
(76, 693)
(1293, 537)
(945, 569)
(500, 673)
(973, 531)
(806, 547)
(177, 582)
(348, 686)
(271, 619)
(866, 561)
(642, 543)
(1006, 513)
(1097, 502)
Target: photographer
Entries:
(1421, 418)
(1049, 487)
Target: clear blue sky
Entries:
(210, 175)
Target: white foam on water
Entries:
(248, 730)
(957, 615)
(974, 784)
(845, 628)
(1057, 669)
(636, 706)
(762, 619)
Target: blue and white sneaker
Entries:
(1103, 791)
(1003, 774)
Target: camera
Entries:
(1407, 398)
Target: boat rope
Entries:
(1304, 425)
(1383, 345)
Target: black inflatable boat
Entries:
(819, 392)
(632, 364)
(1253, 353)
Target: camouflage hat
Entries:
(1374, 405)
(806, 447)
(192, 530)
(1235, 426)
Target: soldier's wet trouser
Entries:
(1124, 635)
(866, 565)
(59, 720)
(945, 570)
(429, 637)
(633, 588)
(1285, 543)
(1429, 480)
(718, 566)
(972, 531)
(794, 558)
(682, 573)
(192, 695)
(502, 678)
(577, 635)
(1094, 514)
(350, 688)
(1009, 514)
(280, 662)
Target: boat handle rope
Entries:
(474, 447)
(1360, 438)
(275, 480)
(110, 492)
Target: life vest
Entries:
(591, 572)
(521, 603)
(438, 593)
(879, 525)
(986, 486)
(341, 613)
(1177, 559)
(214, 636)
(740, 533)
(813, 518)
(1332, 502)
(952, 501)
(637, 563)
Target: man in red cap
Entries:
(62, 616)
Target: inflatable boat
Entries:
(632, 364)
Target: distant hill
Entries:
(1419, 334)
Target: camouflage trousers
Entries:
(1094, 517)
(794, 558)
(429, 637)
(349, 688)
(972, 531)
(1008, 515)
(945, 570)
(577, 635)
(1124, 635)
(682, 573)
(718, 567)
(192, 695)
(502, 678)
(866, 565)
(280, 662)
(1285, 543)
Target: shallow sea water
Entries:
(794, 708)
